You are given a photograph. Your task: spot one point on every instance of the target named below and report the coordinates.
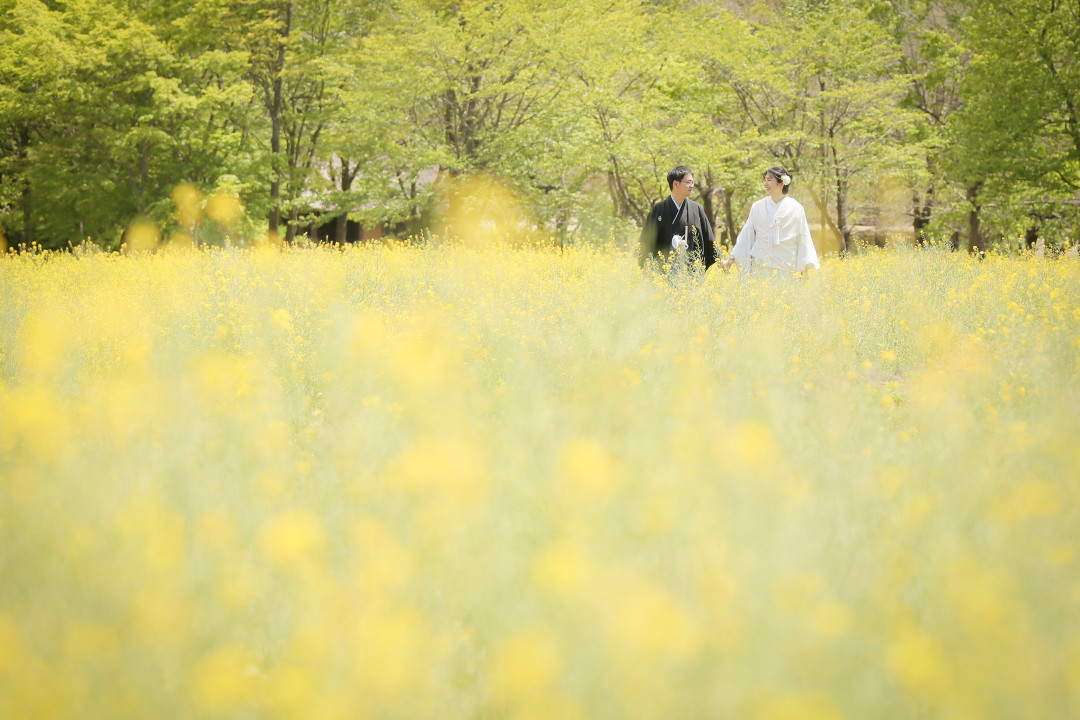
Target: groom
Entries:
(677, 229)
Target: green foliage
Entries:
(942, 113)
(1018, 135)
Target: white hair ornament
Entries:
(786, 179)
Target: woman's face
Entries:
(772, 185)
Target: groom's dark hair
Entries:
(677, 173)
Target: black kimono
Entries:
(691, 222)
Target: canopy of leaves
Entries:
(895, 112)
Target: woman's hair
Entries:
(779, 174)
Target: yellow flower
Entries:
(644, 621)
(562, 568)
(523, 664)
(11, 644)
(225, 681)
(919, 663)
(224, 208)
(217, 528)
(90, 642)
(809, 706)
(752, 444)
(442, 470)
(282, 320)
(291, 538)
(588, 473)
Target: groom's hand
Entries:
(678, 242)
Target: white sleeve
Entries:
(741, 252)
(806, 255)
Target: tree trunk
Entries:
(341, 229)
(923, 211)
(821, 203)
(144, 175)
(706, 193)
(1031, 237)
(28, 217)
(975, 235)
(729, 217)
(275, 125)
(290, 230)
(841, 216)
(620, 197)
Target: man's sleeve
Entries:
(708, 240)
(647, 241)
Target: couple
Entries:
(776, 234)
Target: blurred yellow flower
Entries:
(383, 563)
(224, 208)
(644, 621)
(142, 235)
(562, 568)
(160, 616)
(919, 662)
(217, 528)
(442, 470)
(832, 619)
(752, 444)
(225, 681)
(282, 320)
(394, 652)
(36, 418)
(1029, 499)
(291, 538)
(587, 472)
(239, 585)
(189, 205)
(90, 642)
(223, 379)
(292, 689)
(526, 663)
(151, 534)
(419, 479)
(799, 707)
(11, 645)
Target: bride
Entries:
(776, 234)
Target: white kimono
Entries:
(776, 235)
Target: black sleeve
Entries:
(647, 241)
(708, 240)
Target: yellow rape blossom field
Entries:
(441, 482)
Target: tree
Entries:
(1017, 139)
(480, 89)
(823, 96)
(34, 55)
(631, 129)
(929, 34)
(735, 152)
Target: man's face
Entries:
(681, 189)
